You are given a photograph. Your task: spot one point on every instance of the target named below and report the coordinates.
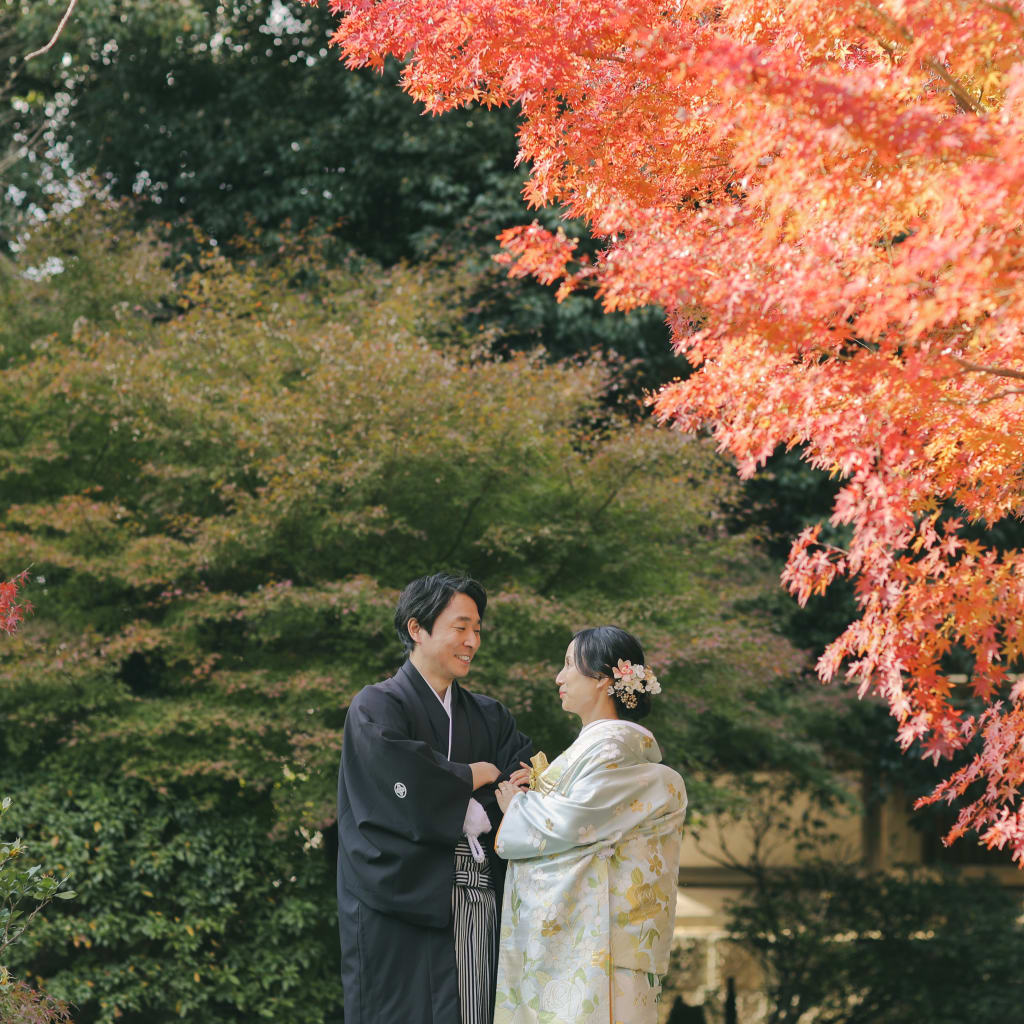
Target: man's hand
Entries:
(483, 773)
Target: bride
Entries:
(593, 851)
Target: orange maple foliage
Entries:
(827, 197)
(11, 612)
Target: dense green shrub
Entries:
(842, 945)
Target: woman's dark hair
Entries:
(599, 650)
(425, 598)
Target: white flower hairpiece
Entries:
(630, 679)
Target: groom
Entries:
(419, 885)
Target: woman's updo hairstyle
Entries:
(599, 650)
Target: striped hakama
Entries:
(475, 925)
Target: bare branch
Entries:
(964, 100)
(8, 161)
(1002, 394)
(996, 371)
(56, 35)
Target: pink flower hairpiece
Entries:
(630, 679)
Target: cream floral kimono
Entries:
(590, 897)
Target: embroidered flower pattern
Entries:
(630, 679)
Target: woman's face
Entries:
(580, 694)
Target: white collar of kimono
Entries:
(620, 721)
(446, 703)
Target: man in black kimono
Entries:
(419, 885)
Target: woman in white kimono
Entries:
(593, 851)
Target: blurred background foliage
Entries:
(839, 944)
(236, 117)
(257, 370)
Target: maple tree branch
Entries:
(964, 100)
(550, 581)
(595, 56)
(603, 56)
(15, 155)
(56, 35)
(996, 371)
(1002, 394)
(473, 506)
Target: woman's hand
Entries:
(504, 793)
(521, 776)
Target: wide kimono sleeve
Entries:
(514, 747)
(598, 800)
(395, 785)
(511, 749)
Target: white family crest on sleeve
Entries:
(400, 790)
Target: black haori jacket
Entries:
(402, 803)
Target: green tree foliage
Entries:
(839, 942)
(188, 911)
(841, 945)
(89, 270)
(787, 496)
(234, 115)
(28, 108)
(221, 483)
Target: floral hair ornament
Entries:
(630, 679)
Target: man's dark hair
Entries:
(425, 598)
(598, 651)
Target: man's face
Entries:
(448, 648)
